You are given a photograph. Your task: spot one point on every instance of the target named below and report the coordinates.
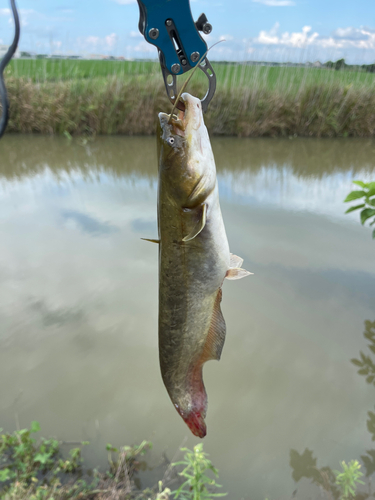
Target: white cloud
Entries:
(92, 40)
(355, 45)
(346, 38)
(111, 40)
(5, 12)
(341, 38)
(105, 45)
(351, 33)
(346, 33)
(125, 2)
(275, 3)
(296, 39)
(144, 47)
(135, 34)
(226, 38)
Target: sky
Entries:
(259, 30)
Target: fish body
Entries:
(194, 259)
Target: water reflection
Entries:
(78, 303)
(305, 465)
(88, 224)
(121, 156)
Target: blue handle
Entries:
(178, 41)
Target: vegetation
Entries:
(228, 74)
(197, 482)
(338, 485)
(367, 206)
(341, 65)
(114, 97)
(36, 470)
(348, 478)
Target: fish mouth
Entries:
(187, 120)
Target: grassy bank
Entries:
(36, 469)
(75, 97)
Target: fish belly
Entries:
(190, 280)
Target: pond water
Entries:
(78, 304)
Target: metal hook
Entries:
(5, 60)
(208, 70)
(171, 87)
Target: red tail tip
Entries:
(195, 422)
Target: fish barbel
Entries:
(194, 259)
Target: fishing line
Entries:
(188, 80)
(4, 61)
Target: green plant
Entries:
(196, 486)
(304, 465)
(67, 97)
(368, 206)
(127, 464)
(22, 459)
(365, 363)
(32, 469)
(35, 470)
(348, 479)
(163, 494)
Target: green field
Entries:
(123, 97)
(228, 75)
(41, 70)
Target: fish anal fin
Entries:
(236, 273)
(235, 261)
(216, 334)
(151, 241)
(199, 225)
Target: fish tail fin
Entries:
(197, 425)
(194, 419)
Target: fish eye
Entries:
(171, 141)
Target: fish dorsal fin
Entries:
(199, 225)
(235, 261)
(150, 240)
(236, 273)
(216, 334)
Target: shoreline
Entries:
(126, 106)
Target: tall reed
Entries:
(249, 101)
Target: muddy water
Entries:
(78, 304)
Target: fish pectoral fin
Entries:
(202, 217)
(152, 241)
(216, 334)
(235, 261)
(236, 273)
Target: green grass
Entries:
(42, 70)
(228, 75)
(124, 97)
(35, 469)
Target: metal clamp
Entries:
(169, 26)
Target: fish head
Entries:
(187, 166)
